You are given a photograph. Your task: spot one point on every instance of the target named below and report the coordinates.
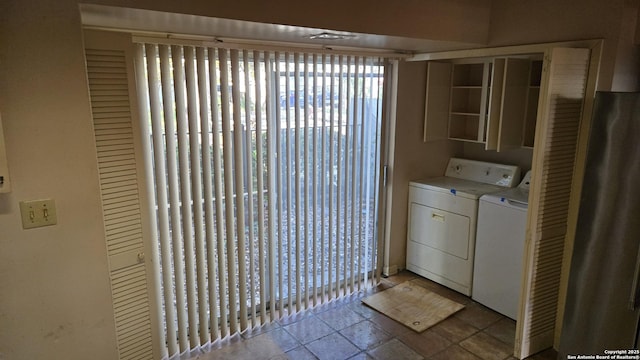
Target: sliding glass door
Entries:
(266, 168)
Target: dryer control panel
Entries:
(483, 172)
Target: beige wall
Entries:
(54, 290)
(522, 22)
(627, 74)
(450, 20)
(413, 158)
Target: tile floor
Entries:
(347, 329)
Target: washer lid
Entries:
(458, 187)
(513, 197)
(519, 195)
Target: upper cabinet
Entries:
(488, 100)
(508, 103)
(468, 101)
(436, 107)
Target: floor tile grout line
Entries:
(450, 346)
(322, 312)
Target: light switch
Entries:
(37, 213)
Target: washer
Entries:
(502, 221)
(442, 219)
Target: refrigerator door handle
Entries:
(634, 297)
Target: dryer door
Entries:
(440, 230)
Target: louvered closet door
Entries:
(121, 202)
(560, 110)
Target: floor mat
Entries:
(413, 305)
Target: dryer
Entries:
(442, 219)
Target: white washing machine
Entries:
(442, 219)
(502, 221)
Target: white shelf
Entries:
(487, 100)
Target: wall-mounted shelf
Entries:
(468, 105)
(488, 100)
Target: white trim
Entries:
(390, 270)
(503, 50)
(243, 44)
(392, 103)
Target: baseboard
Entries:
(390, 270)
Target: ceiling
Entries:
(177, 25)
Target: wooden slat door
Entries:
(560, 109)
(131, 258)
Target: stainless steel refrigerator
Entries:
(602, 307)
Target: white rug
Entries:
(413, 305)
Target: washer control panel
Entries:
(483, 172)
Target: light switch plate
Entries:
(37, 213)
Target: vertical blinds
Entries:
(266, 173)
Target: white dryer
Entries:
(497, 274)
(442, 219)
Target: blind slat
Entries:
(228, 185)
(279, 188)
(177, 54)
(309, 250)
(196, 192)
(339, 165)
(218, 187)
(207, 183)
(297, 170)
(354, 167)
(323, 191)
(288, 188)
(272, 186)
(260, 187)
(239, 187)
(314, 176)
(330, 199)
(249, 149)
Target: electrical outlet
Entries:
(37, 213)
